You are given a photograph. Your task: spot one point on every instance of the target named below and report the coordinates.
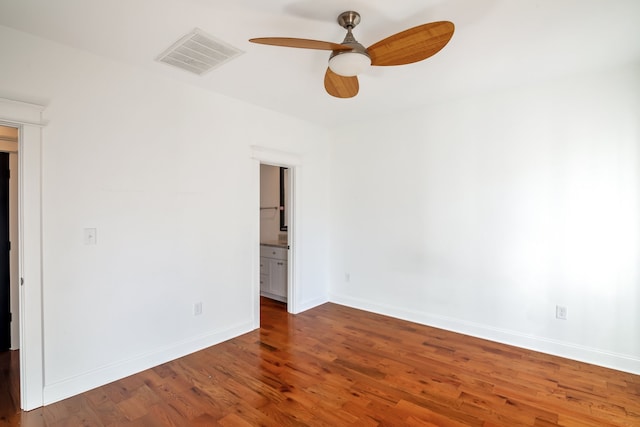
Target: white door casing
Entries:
(28, 119)
(294, 163)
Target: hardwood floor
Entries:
(336, 366)
(9, 385)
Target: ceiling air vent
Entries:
(198, 52)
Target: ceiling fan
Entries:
(349, 58)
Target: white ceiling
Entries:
(497, 44)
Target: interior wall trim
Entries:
(27, 117)
(275, 157)
(554, 347)
(22, 113)
(293, 161)
(60, 390)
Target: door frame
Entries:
(27, 118)
(264, 155)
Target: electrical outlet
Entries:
(197, 309)
(561, 312)
(347, 277)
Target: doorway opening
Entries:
(293, 163)
(275, 207)
(27, 118)
(9, 267)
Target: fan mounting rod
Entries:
(348, 20)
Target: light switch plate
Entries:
(90, 236)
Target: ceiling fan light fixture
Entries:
(349, 63)
(350, 58)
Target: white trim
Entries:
(293, 301)
(114, 371)
(308, 305)
(27, 123)
(255, 247)
(21, 113)
(275, 157)
(28, 119)
(28, 106)
(571, 351)
(294, 163)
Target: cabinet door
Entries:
(265, 286)
(264, 283)
(278, 277)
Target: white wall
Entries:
(482, 215)
(269, 198)
(164, 172)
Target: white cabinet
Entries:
(273, 272)
(278, 277)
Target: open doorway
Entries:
(27, 118)
(293, 162)
(275, 202)
(9, 268)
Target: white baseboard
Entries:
(273, 296)
(308, 305)
(79, 384)
(571, 351)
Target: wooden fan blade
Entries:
(412, 45)
(300, 43)
(340, 86)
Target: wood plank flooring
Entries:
(9, 385)
(336, 366)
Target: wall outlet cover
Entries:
(561, 312)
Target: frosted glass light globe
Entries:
(349, 64)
